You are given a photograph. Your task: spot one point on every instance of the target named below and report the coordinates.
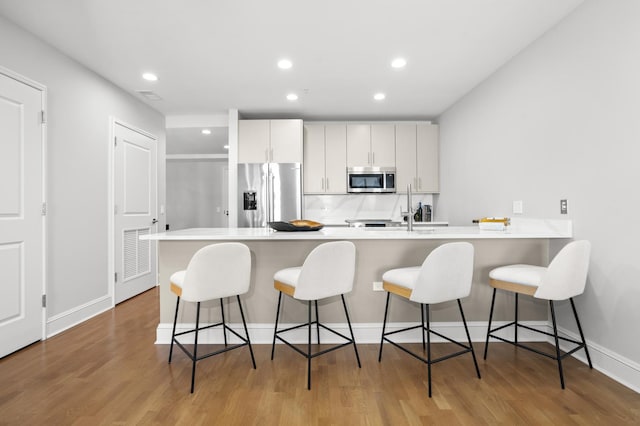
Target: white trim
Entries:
(197, 157)
(72, 317)
(364, 333)
(43, 168)
(113, 121)
(619, 368)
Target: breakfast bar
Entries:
(378, 249)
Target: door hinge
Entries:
(44, 300)
(115, 277)
(43, 117)
(115, 141)
(115, 209)
(44, 209)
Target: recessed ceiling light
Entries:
(206, 131)
(284, 64)
(226, 147)
(150, 76)
(292, 97)
(379, 96)
(399, 63)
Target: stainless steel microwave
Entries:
(371, 179)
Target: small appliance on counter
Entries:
(372, 223)
(493, 223)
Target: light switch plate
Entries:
(563, 206)
(377, 286)
(517, 207)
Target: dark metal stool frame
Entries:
(558, 356)
(194, 356)
(308, 354)
(424, 313)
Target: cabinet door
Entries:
(428, 154)
(286, 141)
(336, 159)
(253, 141)
(383, 145)
(406, 157)
(314, 155)
(358, 145)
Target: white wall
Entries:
(196, 197)
(79, 106)
(562, 120)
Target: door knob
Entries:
(154, 221)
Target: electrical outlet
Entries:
(563, 206)
(377, 286)
(517, 207)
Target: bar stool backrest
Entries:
(566, 275)
(446, 274)
(327, 271)
(217, 271)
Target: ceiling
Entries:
(211, 56)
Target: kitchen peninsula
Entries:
(378, 250)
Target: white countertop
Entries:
(520, 228)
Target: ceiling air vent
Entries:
(149, 95)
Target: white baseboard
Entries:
(609, 363)
(61, 322)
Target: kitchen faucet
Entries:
(409, 211)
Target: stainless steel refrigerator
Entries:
(268, 192)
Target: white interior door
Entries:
(21, 209)
(135, 212)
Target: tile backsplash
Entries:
(334, 209)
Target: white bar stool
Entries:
(445, 275)
(564, 278)
(327, 271)
(214, 272)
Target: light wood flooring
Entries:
(108, 371)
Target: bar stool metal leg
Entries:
(555, 336)
(195, 349)
(584, 342)
(384, 326)
(246, 332)
(224, 330)
(173, 333)
(486, 343)
(309, 350)
(422, 318)
(466, 329)
(516, 321)
(353, 340)
(317, 321)
(428, 346)
(275, 330)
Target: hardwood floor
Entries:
(108, 371)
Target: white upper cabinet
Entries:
(383, 145)
(417, 157)
(358, 145)
(335, 140)
(274, 141)
(253, 141)
(325, 163)
(371, 145)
